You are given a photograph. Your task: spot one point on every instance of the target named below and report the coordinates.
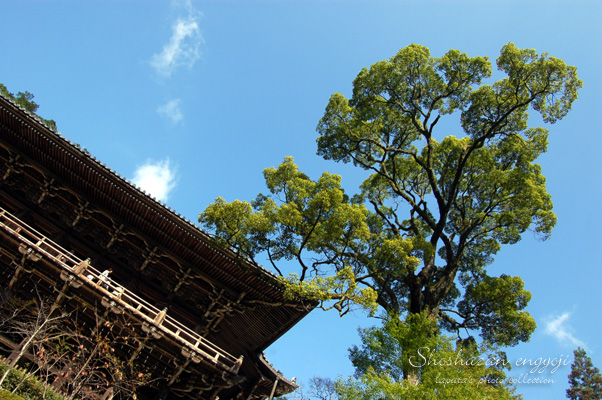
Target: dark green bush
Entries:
(28, 388)
(4, 395)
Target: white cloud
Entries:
(559, 328)
(183, 48)
(171, 110)
(156, 178)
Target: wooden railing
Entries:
(80, 272)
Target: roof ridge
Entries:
(32, 114)
(205, 236)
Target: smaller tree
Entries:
(31, 321)
(77, 362)
(319, 388)
(437, 367)
(86, 363)
(585, 379)
(322, 388)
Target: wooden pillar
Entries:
(274, 389)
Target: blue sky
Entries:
(192, 100)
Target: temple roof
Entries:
(27, 135)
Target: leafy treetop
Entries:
(435, 209)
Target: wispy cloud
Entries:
(171, 110)
(156, 178)
(183, 48)
(559, 328)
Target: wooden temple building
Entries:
(203, 316)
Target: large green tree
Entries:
(435, 207)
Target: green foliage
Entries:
(439, 369)
(497, 304)
(436, 208)
(25, 100)
(341, 286)
(5, 395)
(389, 349)
(25, 386)
(585, 380)
(311, 222)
